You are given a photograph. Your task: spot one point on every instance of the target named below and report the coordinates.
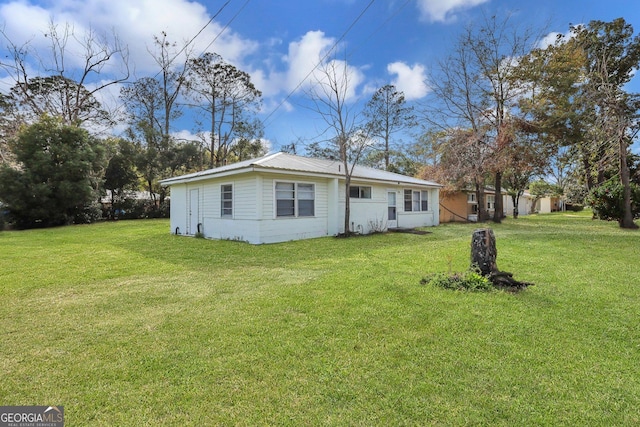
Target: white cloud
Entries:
(444, 10)
(304, 56)
(135, 24)
(303, 65)
(410, 80)
(551, 38)
(340, 75)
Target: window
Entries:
(407, 200)
(226, 200)
(358, 192)
(471, 198)
(285, 199)
(306, 200)
(491, 202)
(416, 201)
(295, 200)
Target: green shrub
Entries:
(467, 281)
(607, 200)
(89, 214)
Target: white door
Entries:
(194, 211)
(392, 214)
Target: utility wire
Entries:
(200, 32)
(227, 25)
(285, 99)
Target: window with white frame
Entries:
(416, 201)
(359, 192)
(306, 200)
(226, 200)
(295, 199)
(491, 202)
(471, 198)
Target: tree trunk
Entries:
(516, 202)
(480, 202)
(627, 220)
(347, 203)
(497, 203)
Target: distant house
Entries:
(462, 206)
(525, 204)
(281, 197)
(549, 204)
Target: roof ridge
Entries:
(266, 157)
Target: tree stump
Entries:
(483, 251)
(483, 259)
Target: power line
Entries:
(285, 99)
(227, 25)
(200, 32)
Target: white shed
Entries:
(282, 197)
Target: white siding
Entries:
(429, 218)
(254, 218)
(242, 225)
(370, 215)
(524, 205)
(274, 229)
(178, 212)
(366, 215)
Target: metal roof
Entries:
(304, 165)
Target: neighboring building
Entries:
(524, 204)
(455, 206)
(549, 204)
(105, 200)
(462, 206)
(281, 197)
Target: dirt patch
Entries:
(409, 231)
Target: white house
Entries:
(281, 197)
(525, 203)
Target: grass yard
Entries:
(126, 325)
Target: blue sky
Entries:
(279, 42)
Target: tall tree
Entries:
(145, 107)
(612, 56)
(330, 98)
(582, 101)
(173, 63)
(387, 114)
(57, 174)
(120, 174)
(476, 90)
(228, 99)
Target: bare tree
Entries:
(457, 115)
(172, 77)
(329, 96)
(476, 92)
(68, 86)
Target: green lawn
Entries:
(124, 324)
